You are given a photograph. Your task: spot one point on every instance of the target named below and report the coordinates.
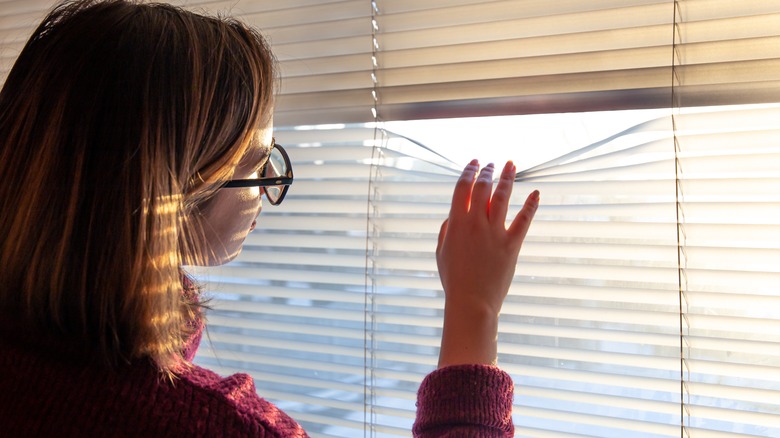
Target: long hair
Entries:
(116, 121)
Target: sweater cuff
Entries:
(473, 399)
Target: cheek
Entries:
(227, 219)
(229, 209)
(250, 197)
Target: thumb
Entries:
(442, 233)
(519, 226)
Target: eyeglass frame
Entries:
(284, 181)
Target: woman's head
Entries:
(117, 123)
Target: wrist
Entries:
(469, 335)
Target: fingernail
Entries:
(535, 197)
(508, 169)
(473, 162)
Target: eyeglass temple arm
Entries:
(259, 182)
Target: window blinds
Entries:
(606, 331)
(467, 58)
(470, 57)
(632, 342)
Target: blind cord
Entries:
(369, 315)
(679, 216)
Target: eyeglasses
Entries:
(275, 176)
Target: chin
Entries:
(220, 259)
(226, 258)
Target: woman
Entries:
(135, 139)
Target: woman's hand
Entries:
(476, 256)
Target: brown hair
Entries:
(116, 121)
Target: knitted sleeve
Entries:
(465, 400)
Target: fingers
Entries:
(483, 187)
(519, 227)
(473, 194)
(500, 201)
(461, 198)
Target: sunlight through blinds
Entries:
(730, 202)
(611, 254)
(591, 329)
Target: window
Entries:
(641, 305)
(335, 305)
(646, 301)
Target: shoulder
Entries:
(231, 403)
(50, 392)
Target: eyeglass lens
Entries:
(274, 168)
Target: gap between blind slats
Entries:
(280, 240)
(618, 209)
(562, 313)
(485, 23)
(355, 279)
(737, 393)
(530, 287)
(586, 47)
(613, 401)
(648, 78)
(737, 371)
(705, 42)
(610, 425)
(737, 324)
(417, 246)
(506, 328)
(606, 381)
(413, 191)
(287, 363)
(759, 283)
(319, 353)
(315, 384)
(293, 293)
(279, 14)
(709, 433)
(265, 5)
(734, 415)
(703, 239)
(529, 432)
(324, 65)
(739, 344)
(651, 362)
(282, 348)
(604, 274)
(530, 8)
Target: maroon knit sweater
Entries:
(49, 390)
